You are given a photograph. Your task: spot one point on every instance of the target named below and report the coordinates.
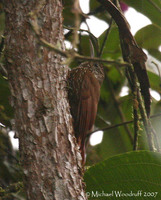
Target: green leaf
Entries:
(156, 53)
(117, 81)
(155, 82)
(112, 48)
(149, 38)
(148, 9)
(84, 46)
(128, 173)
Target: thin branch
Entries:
(132, 53)
(103, 120)
(92, 37)
(105, 39)
(121, 124)
(147, 124)
(136, 119)
(133, 84)
(109, 62)
(155, 138)
(70, 54)
(155, 5)
(92, 40)
(156, 65)
(81, 30)
(119, 110)
(3, 71)
(52, 47)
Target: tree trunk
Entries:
(49, 153)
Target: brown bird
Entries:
(84, 84)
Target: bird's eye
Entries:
(96, 65)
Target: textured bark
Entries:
(49, 153)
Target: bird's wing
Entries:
(87, 105)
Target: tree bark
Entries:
(49, 153)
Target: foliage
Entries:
(132, 173)
(113, 108)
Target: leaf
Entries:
(147, 8)
(155, 82)
(149, 38)
(84, 45)
(117, 81)
(112, 49)
(156, 53)
(133, 171)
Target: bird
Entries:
(84, 84)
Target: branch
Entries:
(92, 37)
(68, 54)
(119, 110)
(105, 39)
(131, 76)
(147, 124)
(155, 5)
(109, 62)
(159, 72)
(132, 53)
(81, 30)
(120, 124)
(3, 71)
(136, 117)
